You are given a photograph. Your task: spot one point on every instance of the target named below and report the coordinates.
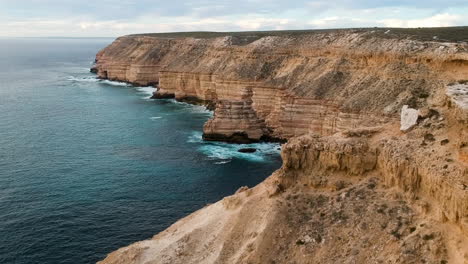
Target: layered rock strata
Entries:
(353, 187)
(283, 87)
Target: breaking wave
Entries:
(224, 152)
(96, 80)
(148, 91)
(193, 108)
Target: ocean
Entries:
(88, 166)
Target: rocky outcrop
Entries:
(360, 196)
(440, 188)
(235, 121)
(409, 118)
(353, 187)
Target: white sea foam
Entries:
(226, 152)
(222, 162)
(195, 137)
(83, 79)
(155, 117)
(96, 80)
(115, 83)
(148, 91)
(201, 109)
(193, 108)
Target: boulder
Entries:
(409, 118)
(247, 150)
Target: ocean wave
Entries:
(83, 79)
(194, 108)
(195, 137)
(155, 117)
(114, 83)
(222, 162)
(225, 152)
(148, 91)
(96, 80)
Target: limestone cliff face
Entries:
(353, 188)
(281, 87)
(427, 176)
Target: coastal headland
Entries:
(375, 164)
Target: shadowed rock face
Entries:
(282, 87)
(353, 188)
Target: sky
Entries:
(112, 18)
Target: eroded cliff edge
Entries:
(353, 188)
(282, 87)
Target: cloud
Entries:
(119, 17)
(262, 23)
(340, 22)
(129, 9)
(439, 20)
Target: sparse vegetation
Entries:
(439, 34)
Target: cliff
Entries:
(353, 187)
(281, 87)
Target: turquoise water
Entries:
(88, 166)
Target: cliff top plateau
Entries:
(441, 34)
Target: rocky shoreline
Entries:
(375, 165)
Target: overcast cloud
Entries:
(103, 18)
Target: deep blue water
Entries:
(89, 166)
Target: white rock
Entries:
(307, 239)
(458, 93)
(409, 118)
